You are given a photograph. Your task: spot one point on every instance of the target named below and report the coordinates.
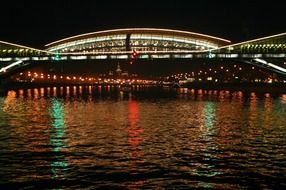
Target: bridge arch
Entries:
(136, 39)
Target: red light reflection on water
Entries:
(134, 130)
(134, 139)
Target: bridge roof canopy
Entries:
(269, 44)
(8, 49)
(147, 39)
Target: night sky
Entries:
(38, 22)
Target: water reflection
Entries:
(97, 137)
(134, 139)
(57, 139)
(208, 130)
(210, 115)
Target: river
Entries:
(94, 137)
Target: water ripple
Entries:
(106, 141)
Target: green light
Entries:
(209, 112)
(58, 125)
(208, 169)
(211, 55)
(59, 165)
(57, 57)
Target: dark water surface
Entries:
(101, 138)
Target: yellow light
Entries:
(24, 47)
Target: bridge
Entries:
(147, 43)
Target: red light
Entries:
(134, 54)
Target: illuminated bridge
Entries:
(147, 43)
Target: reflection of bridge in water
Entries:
(145, 44)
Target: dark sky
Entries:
(37, 22)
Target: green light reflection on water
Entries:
(208, 169)
(57, 140)
(209, 113)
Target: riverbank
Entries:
(245, 87)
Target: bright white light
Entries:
(277, 67)
(260, 61)
(64, 58)
(144, 56)
(130, 52)
(87, 41)
(173, 39)
(233, 55)
(44, 58)
(183, 56)
(257, 55)
(24, 59)
(35, 58)
(78, 57)
(100, 57)
(6, 59)
(160, 56)
(4, 69)
(136, 37)
(270, 65)
(122, 56)
(136, 30)
(281, 55)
